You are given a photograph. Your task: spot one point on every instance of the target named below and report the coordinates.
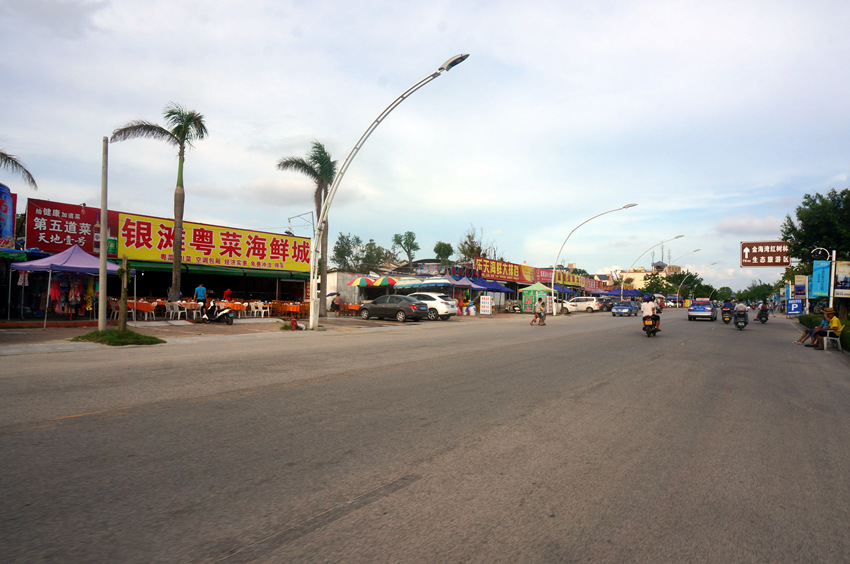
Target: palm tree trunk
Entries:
(179, 203)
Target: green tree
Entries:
(756, 291)
(581, 272)
(321, 169)
(17, 167)
(374, 256)
(408, 244)
(348, 252)
(183, 127)
(443, 251)
(654, 283)
(724, 293)
(472, 245)
(821, 221)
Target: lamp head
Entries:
(453, 62)
(678, 236)
(628, 206)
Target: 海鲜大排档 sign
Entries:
(152, 239)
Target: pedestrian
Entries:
(228, 295)
(542, 312)
(201, 296)
(536, 310)
(336, 305)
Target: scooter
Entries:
(215, 315)
(762, 316)
(740, 320)
(650, 325)
(727, 315)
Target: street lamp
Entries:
(558, 256)
(688, 276)
(677, 258)
(323, 214)
(643, 253)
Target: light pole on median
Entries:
(673, 262)
(688, 276)
(323, 214)
(680, 256)
(558, 256)
(643, 253)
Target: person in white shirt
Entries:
(742, 308)
(650, 309)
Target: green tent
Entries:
(530, 295)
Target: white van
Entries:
(584, 303)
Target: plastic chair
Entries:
(834, 337)
(114, 310)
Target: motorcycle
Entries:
(215, 315)
(650, 325)
(762, 316)
(740, 320)
(727, 315)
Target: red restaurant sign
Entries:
(54, 226)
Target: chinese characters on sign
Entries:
(765, 253)
(152, 239)
(54, 226)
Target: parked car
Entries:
(440, 306)
(626, 308)
(605, 304)
(584, 303)
(702, 309)
(397, 306)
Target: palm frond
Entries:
(297, 164)
(142, 129)
(186, 125)
(12, 163)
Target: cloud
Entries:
(747, 225)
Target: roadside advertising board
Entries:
(819, 287)
(486, 303)
(842, 279)
(765, 253)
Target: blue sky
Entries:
(716, 118)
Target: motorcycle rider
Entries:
(727, 306)
(742, 308)
(763, 310)
(650, 309)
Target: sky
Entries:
(714, 117)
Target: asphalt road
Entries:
(485, 441)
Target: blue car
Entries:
(702, 309)
(626, 308)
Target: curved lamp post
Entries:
(558, 256)
(680, 256)
(688, 276)
(320, 222)
(643, 253)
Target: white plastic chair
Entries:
(833, 337)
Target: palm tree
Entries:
(16, 166)
(321, 169)
(183, 128)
